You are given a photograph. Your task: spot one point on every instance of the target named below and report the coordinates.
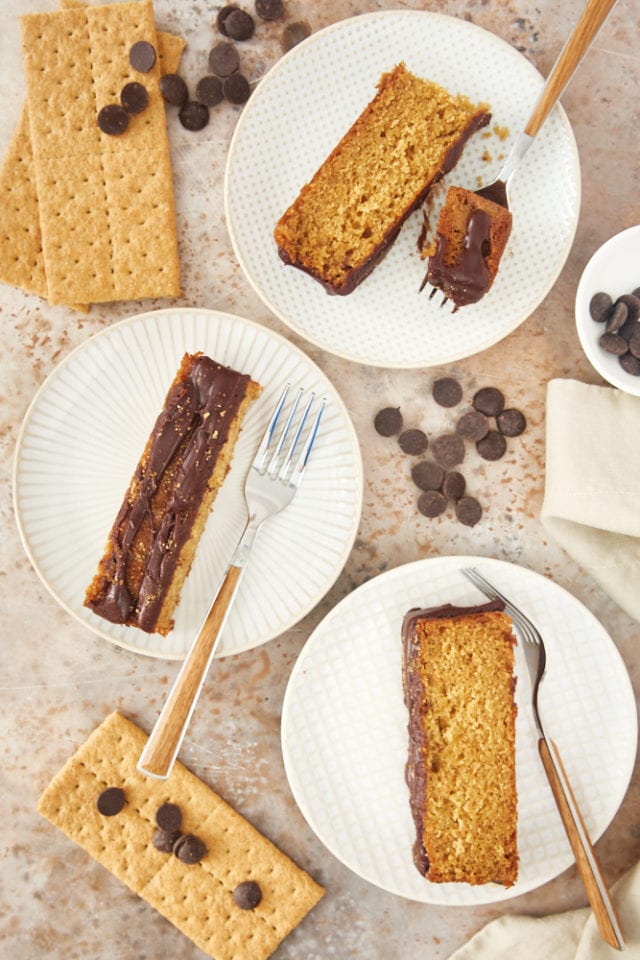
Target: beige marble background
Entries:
(58, 681)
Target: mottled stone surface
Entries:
(58, 680)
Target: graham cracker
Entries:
(198, 898)
(21, 257)
(106, 203)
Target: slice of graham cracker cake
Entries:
(459, 689)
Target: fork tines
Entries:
(434, 290)
(285, 447)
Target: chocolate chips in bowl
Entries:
(608, 310)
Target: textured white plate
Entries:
(301, 109)
(614, 269)
(84, 433)
(344, 726)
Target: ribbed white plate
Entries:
(83, 435)
(299, 112)
(344, 726)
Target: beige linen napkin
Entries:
(592, 490)
(563, 936)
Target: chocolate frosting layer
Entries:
(415, 770)
(467, 279)
(362, 271)
(182, 450)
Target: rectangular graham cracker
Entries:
(21, 257)
(198, 898)
(106, 204)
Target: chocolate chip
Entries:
(511, 422)
(432, 503)
(413, 442)
(630, 364)
(169, 817)
(634, 342)
(447, 392)
(142, 56)
(599, 307)
(632, 303)
(454, 485)
(111, 801)
(617, 317)
(236, 88)
(189, 849)
(388, 421)
(223, 59)
(473, 425)
(270, 9)
(492, 447)
(427, 475)
(222, 17)
(247, 895)
(489, 400)
(134, 97)
(448, 450)
(628, 329)
(238, 24)
(468, 511)
(209, 90)
(163, 841)
(293, 34)
(173, 89)
(613, 343)
(113, 119)
(194, 115)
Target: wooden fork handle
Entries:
(162, 747)
(599, 897)
(584, 32)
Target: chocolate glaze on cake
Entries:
(415, 770)
(468, 279)
(165, 494)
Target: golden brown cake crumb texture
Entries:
(466, 665)
(378, 173)
(458, 207)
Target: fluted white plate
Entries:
(345, 740)
(299, 112)
(83, 435)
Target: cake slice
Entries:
(471, 235)
(345, 219)
(153, 540)
(459, 686)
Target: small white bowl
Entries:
(614, 269)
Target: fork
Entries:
(535, 655)
(274, 477)
(569, 59)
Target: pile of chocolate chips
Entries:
(621, 335)
(225, 80)
(114, 117)
(168, 838)
(487, 425)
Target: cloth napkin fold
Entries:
(573, 935)
(592, 490)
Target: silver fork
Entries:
(582, 36)
(274, 477)
(535, 655)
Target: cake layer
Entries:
(471, 235)
(459, 685)
(153, 539)
(347, 216)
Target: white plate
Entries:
(344, 726)
(83, 435)
(614, 269)
(301, 109)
